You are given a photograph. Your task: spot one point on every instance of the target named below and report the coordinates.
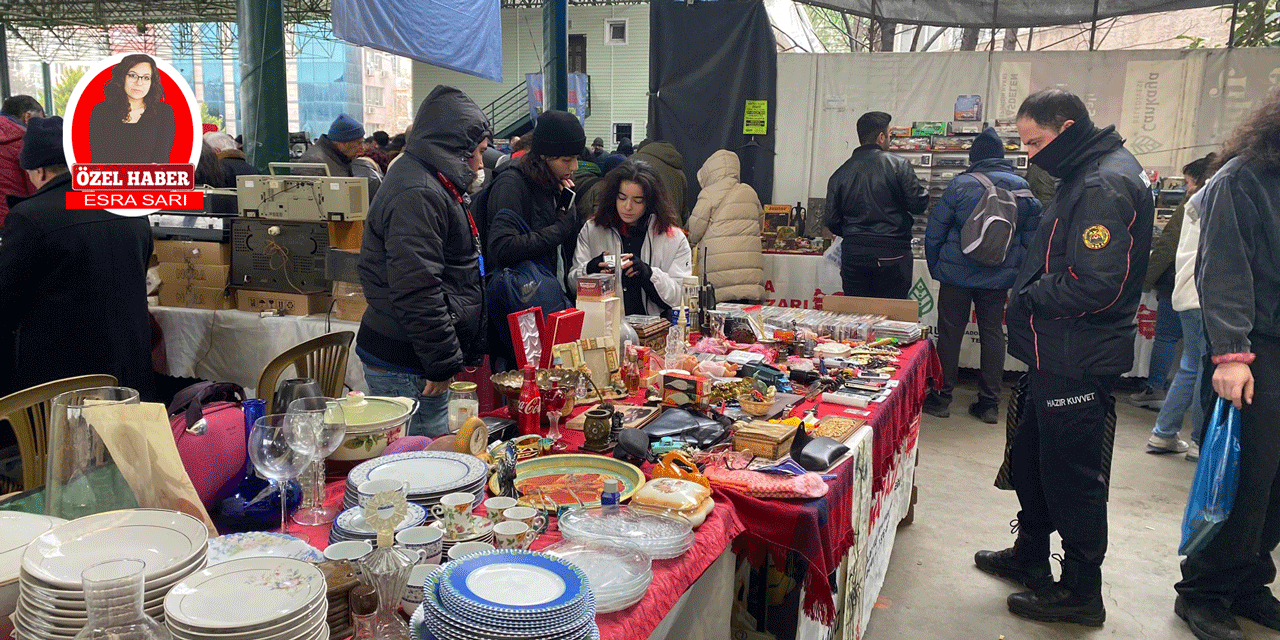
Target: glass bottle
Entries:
(113, 603)
(387, 570)
(463, 404)
(363, 603)
(251, 504)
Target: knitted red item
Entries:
(1246, 358)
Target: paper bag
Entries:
(141, 444)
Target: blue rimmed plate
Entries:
(461, 614)
(513, 581)
(425, 471)
(351, 524)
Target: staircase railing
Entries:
(508, 107)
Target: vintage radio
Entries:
(288, 257)
(302, 198)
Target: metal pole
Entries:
(1030, 32)
(1231, 35)
(264, 101)
(48, 89)
(555, 38)
(1093, 30)
(5, 89)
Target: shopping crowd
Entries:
(1062, 259)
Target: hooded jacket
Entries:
(873, 198)
(1073, 307)
(1186, 295)
(947, 261)
(726, 221)
(13, 180)
(670, 167)
(420, 258)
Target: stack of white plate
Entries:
(350, 524)
(619, 574)
(658, 536)
(430, 474)
(506, 594)
(16, 531)
(51, 603)
(250, 599)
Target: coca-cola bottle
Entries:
(529, 409)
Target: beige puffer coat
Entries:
(726, 220)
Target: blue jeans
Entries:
(432, 418)
(1168, 333)
(1184, 393)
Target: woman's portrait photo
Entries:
(133, 124)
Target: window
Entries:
(373, 96)
(621, 130)
(615, 31)
(577, 53)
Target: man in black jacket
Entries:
(1071, 320)
(420, 262)
(1238, 276)
(73, 282)
(872, 202)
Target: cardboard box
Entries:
(191, 297)
(194, 274)
(350, 308)
(681, 388)
(340, 265)
(596, 286)
(601, 317)
(183, 251)
(902, 310)
(289, 304)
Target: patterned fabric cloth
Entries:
(767, 485)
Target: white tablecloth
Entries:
(802, 281)
(235, 346)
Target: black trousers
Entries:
(953, 318)
(872, 277)
(1237, 562)
(1057, 463)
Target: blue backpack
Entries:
(531, 283)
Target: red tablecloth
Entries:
(821, 530)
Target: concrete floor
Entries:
(933, 591)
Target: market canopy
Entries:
(996, 14)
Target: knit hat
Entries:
(345, 129)
(598, 142)
(42, 144)
(987, 145)
(558, 134)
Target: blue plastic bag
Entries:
(1217, 476)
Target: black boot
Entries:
(1026, 562)
(936, 406)
(1077, 598)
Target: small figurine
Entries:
(507, 471)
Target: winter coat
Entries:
(324, 152)
(1073, 305)
(13, 180)
(1163, 250)
(73, 284)
(234, 164)
(667, 255)
(1185, 294)
(670, 167)
(1237, 271)
(947, 262)
(420, 258)
(552, 227)
(726, 221)
(873, 198)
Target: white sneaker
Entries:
(1172, 444)
(1193, 454)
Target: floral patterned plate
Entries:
(260, 544)
(280, 590)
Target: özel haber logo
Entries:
(91, 92)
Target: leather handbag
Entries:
(691, 428)
(815, 454)
(208, 427)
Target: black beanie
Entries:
(987, 145)
(558, 134)
(42, 144)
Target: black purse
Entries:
(633, 447)
(815, 454)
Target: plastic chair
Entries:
(27, 412)
(323, 358)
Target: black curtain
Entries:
(706, 60)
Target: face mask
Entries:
(477, 183)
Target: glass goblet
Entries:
(325, 417)
(280, 447)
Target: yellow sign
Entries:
(755, 120)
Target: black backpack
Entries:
(992, 226)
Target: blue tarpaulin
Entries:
(461, 35)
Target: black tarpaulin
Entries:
(1005, 13)
(706, 61)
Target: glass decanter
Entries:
(113, 602)
(387, 570)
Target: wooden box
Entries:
(765, 439)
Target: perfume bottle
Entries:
(252, 502)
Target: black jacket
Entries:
(234, 164)
(419, 258)
(552, 227)
(73, 284)
(873, 198)
(1073, 304)
(1237, 270)
(150, 139)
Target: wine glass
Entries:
(325, 417)
(553, 403)
(281, 446)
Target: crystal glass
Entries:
(81, 477)
(281, 446)
(387, 570)
(113, 602)
(554, 402)
(326, 418)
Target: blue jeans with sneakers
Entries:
(1168, 333)
(1184, 393)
